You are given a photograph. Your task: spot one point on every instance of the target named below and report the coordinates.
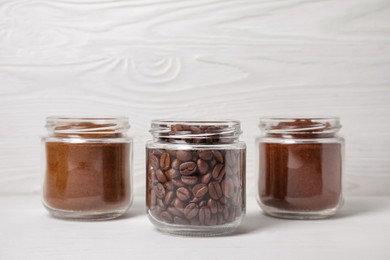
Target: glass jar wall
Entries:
(300, 165)
(195, 181)
(87, 165)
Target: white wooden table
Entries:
(361, 230)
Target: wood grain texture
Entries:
(237, 59)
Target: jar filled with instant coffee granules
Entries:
(195, 181)
(300, 167)
(87, 167)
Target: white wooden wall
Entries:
(238, 59)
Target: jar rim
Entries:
(299, 117)
(91, 119)
(196, 122)
(208, 131)
(90, 125)
(300, 125)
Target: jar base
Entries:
(196, 231)
(86, 215)
(299, 215)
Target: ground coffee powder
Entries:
(300, 168)
(87, 170)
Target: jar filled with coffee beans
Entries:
(195, 181)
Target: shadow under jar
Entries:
(195, 183)
(87, 167)
(300, 167)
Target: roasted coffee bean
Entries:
(160, 191)
(166, 217)
(210, 129)
(157, 152)
(151, 173)
(202, 203)
(161, 176)
(178, 183)
(213, 220)
(195, 157)
(232, 214)
(235, 168)
(183, 194)
(225, 213)
(196, 200)
(175, 164)
(220, 219)
(195, 222)
(212, 204)
(174, 211)
(199, 190)
(180, 221)
(153, 199)
(172, 153)
(183, 155)
(161, 204)
(202, 166)
(206, 155)
(218, 172)
(169, 196)
(231, 158)
(156, 211)
(169, 185)
(213, 162)
(191, 210)
(223, 200)
(229, 171)
(177, 128)
(237, 199)
(215, 190)
(227, 188)
(187, 168)
(150, 178)
(154, 161)
(236, 182)
(165, 161)
(219, 206)
(172, 174)
(179, 205)
(204, 215)
(218, 156)
(206, 178)
(195, 130)
(189, 180)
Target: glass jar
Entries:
(195, 181)
(300, 167)
(87, 165)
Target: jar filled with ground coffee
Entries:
(195, 181)
(300, 167)
(87, 167)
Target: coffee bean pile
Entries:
(195, 187)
